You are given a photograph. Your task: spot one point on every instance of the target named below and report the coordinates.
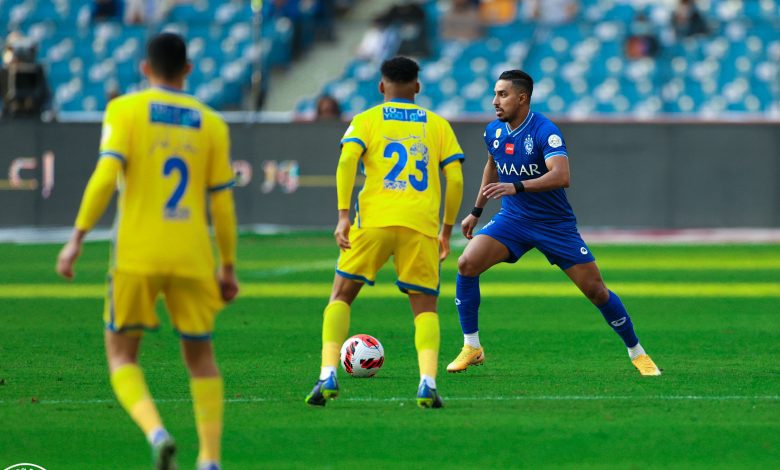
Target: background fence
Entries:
(627, 175)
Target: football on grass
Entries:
(362, 356)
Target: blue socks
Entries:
(617, 317)
(467, 301)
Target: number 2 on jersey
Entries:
(396, 148)
(172, 210)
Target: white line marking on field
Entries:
(410, 398)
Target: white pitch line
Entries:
(410, 398)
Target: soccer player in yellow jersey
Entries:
(170, 155)
(402, 147)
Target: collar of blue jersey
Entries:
(168, 88)
(400, 100)
(521, 126)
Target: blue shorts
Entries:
(560, 243)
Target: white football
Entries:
(362, 356)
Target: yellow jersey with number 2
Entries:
(404, 148)
(174, 150)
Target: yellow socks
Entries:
(208, 401)
(131, 391)
(335, 328)
(207, 397)
(427, 340)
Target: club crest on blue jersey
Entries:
(528, 143)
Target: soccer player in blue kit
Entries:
(528, 169)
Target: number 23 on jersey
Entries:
(418, 176)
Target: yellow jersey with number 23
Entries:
(404, 148)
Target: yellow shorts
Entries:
(192, 304)
(416, 257)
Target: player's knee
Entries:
(467, 266)
(119, 359)
(342, 295)
(597, 292)
(200, 362)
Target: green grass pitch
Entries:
(557, 388)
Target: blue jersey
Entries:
(520, 155)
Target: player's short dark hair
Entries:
(167, 55)
(519, 80)
(400, 70)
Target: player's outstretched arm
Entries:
(223, 216)
(489, 176)
(97, 195)
(556, 178)
(345, 182)
(453, 196)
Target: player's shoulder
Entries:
(433, 116)
(125, 101)
(209, 112)
(371, 113)
(491, 127)
(543, 124)
(209, 116)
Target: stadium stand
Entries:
(582, 68)
(89, 61)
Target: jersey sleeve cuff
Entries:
(220, 187)
(556, 154)
(450, 159)
(110, 154)
(355, 140)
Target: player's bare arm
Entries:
(228, 282)
(444, 241)
(556, 178)
(223, 216)
(69, 254)
(453, 174)
(489, 176)
(97, 195)
(342, 230)
(345, 182)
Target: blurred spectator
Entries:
(462, 21)
(642, 41)
(410, 21)
(112, 91)
(137, 12)
(106, 10)
(687, 20)
(380, 41)
(149, 11)
(23, 86)
(550, 12)
(496, 12)
(325, 13)
(290, 9)
(328, 109)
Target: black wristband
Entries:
(519, 188)
(477, 211)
